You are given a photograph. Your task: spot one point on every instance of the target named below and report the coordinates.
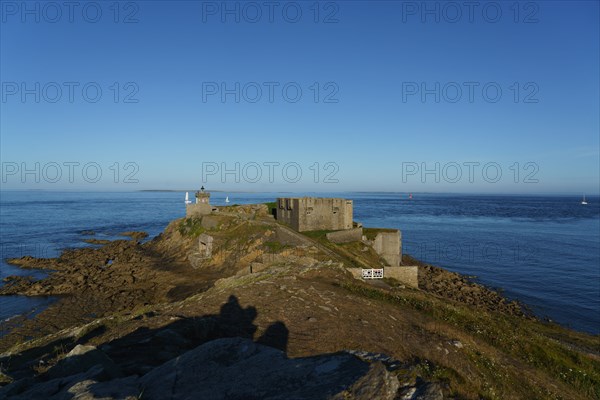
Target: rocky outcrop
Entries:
(97, 241)
(229, 368)
(81, 359)
(457, 287)
(259, 371)
(82, 386)
(135, 235)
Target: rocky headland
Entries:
(234, 305)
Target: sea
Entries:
(541, 250)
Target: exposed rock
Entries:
(18, 280)
(429, 391)
(97, 241)
(135, 235)
(30, 389)
(171, 338)
(266, 373)
(206, 372)
(456, 287)
(76, 387)
(81, 359)
(378, 383)
(117, 389)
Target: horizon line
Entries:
(303, 191)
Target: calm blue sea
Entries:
(544, 251)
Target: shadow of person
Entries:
(144, 348)
(276, 336)
(235, 321)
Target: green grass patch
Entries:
(529, 341)
(191, 227)
(376, 294)
(276, 247)
(433, 372)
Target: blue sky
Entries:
(361, 121)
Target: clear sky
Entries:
(388, 89)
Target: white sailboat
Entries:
(227, 199)
(583, 201)
(187, 198)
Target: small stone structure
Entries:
(202, 206)
(409, 275)
(388, 245)
(204, 252)
(313, 213)
(205, 245)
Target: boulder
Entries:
(81, 359)
(116, 389)
(378, 383)
(81, 386)
(30, 389)
(229, 368)
(262, 372)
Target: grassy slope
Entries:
(510, 345)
